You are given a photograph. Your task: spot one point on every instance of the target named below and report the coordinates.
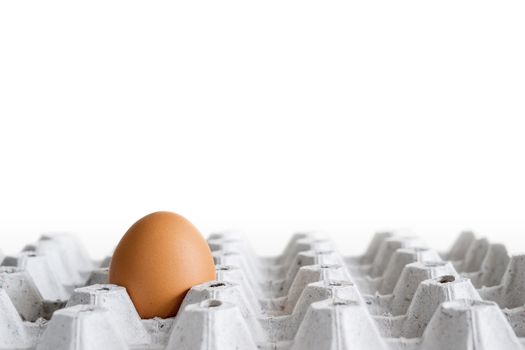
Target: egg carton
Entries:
(399, 294)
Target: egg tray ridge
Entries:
(398, 295)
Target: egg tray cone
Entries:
(398, 295)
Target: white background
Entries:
(266, 116)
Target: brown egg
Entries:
(158, 260)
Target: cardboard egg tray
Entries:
(398, 295)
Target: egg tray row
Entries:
(307, 298)
(401, 283)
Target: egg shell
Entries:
(158, 260)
